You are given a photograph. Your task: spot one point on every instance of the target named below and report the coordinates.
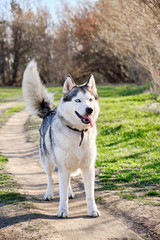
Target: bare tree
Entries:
(118, 41)
(2, 50)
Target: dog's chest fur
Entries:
(68, 150)
(63, 144)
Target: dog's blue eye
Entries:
(77, 100)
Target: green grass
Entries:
(3, 160)
(152, 193)
(10, 94)
(128, 142)
(123, 90)
(8, 191)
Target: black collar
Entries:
(81, 131)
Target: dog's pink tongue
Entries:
(90, 120)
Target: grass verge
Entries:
(10, 94)
(128, 146)
(8, 187)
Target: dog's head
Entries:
(79, 104)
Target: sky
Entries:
(51, 4)
(54, 4)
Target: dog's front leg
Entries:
(88, 176)
(63, 192)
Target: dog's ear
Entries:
(68, 84)
(91, 84)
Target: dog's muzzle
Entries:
(85, 118)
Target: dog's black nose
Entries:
(89, 110)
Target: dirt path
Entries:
(40, 221)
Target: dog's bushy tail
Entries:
(37, 99)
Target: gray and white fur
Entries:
(67, 134)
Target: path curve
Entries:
(23, 164)
(6, 105)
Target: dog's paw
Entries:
(48, 197)
(62, 213)
(95, 214)
(71, 195)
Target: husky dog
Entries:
(67, 134)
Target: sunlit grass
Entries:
(10, 94)
(128, 142)
(8, 191)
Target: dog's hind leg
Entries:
(70, 192)
(49, 167)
